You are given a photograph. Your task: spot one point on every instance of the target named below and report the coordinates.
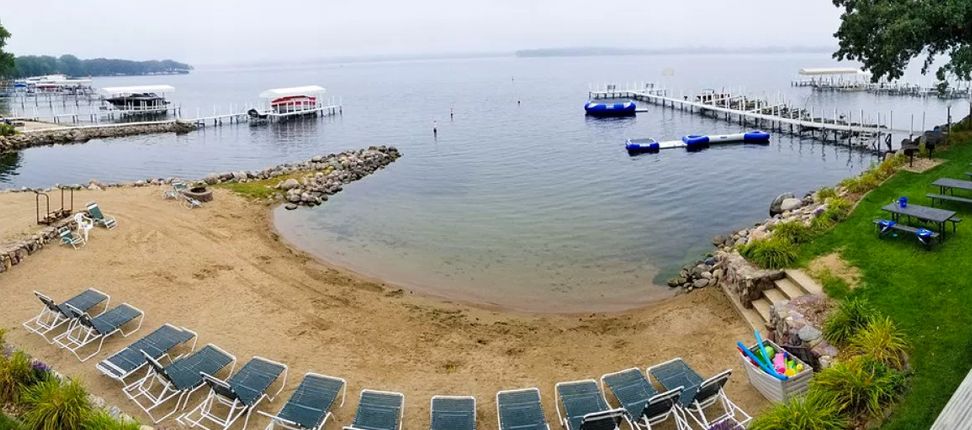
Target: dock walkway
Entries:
(957, 414)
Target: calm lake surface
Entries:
(530, 205)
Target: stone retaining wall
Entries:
(12, 254)
(83, 134)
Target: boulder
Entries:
(211, 179)
(809, 333)
(289, 184)
(774, 208)
(700, 283)
(290, 206)
(791, 204)
(718, 240)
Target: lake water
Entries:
(521, 201)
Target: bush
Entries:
(867, 181)
(826, 193)
(770, 254)
(793, 232)
(9, 423)
(53, 405)
(810, 412)
(103, 421)
(837, 209)
(16, 374)
(7, 129)
(847, 319)
(881, 340)
(859, 386)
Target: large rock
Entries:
(289, 184)
(791, 204)
(775, 207)
(211, 179)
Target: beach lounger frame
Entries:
(51, 317)
(432, 409)
(667, 400)
(112, 371)
(69, 237)
(88, 334)
(276, 420)
(145, 387)
(499, 413)
(607, 414)
(99, 217)
(401, 411)
(709, 393)
(235, 407)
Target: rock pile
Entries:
(84, 134)
(799, 322)
(700, 274)
(11, 254)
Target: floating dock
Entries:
(761, 113)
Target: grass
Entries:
(925, 292)
(262, 190)
(833, 285)
(53, 405)
(774, 253)
(810, 412)
(9, 423)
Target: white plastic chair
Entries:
(84, 223)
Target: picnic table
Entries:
(922, 213)
(949, 185)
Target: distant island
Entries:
(604, 51)
(39, 65)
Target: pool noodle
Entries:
(759, 342)
(760, 362)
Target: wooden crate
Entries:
(774, 389)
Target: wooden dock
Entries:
(957, 414)
(761, 113)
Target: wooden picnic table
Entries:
(922, 213)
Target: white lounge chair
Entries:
(53, 315)
(156, 345)
(99, 217)
(86, 330)
(310, 406)
(237, 396)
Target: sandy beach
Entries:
(223, 272)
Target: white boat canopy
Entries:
(295, 91)
(139, 89)
(832, 71)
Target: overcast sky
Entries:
(215, 31)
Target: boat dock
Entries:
(853, 128)
(853, 80)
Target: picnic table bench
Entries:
(947, 187)
(883, 226)
(935, 216)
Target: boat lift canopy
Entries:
(294, 91)
(139, 89)
(833, 71)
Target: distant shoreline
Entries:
(607, 51)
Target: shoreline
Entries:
(222, 273)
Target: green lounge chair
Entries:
(699, 395)
(453, 413)
(157, 345)
(584, 407)
(100, 218)
(644, 405)
(54, 315)
(239, 395)
(379, 410)
(310, 406)
(520, 410)
(85, 330)
(69, 237)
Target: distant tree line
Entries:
(36, 65)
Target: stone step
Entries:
(762, 306)
(805, 282)
(774, 296)
(789, 288)
(752, 316)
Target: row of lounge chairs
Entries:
(580, 405)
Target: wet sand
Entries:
(223, 272)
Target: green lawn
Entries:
(927, 293)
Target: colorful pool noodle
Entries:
(759, 342)
(760, 363)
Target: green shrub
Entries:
(102, 421)
(16, 374)
(10, 423)
(810, 412)
(847, 319)
(53, 405)
(863, 183)
(859, 386)
(793, 232)
(825, 193)
(770, 254)
(822, 222)
(837, 209)
(839, 206)
(7, 129)
(881, 340)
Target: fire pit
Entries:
(200, 193)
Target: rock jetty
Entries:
(83, 134)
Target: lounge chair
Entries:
(379, 410)
(238, 395)
(453, 413)
(520, 410)
(86, 330)
(645, 406)
(584, 407)
(53, 315)
(310, 406)
(177, 380)
(99, 217)
(156, 345)
(175, 191)
(69, 237)
(698, 395)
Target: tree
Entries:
(885, 35)
(6, 58)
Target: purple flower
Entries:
(40, 366)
